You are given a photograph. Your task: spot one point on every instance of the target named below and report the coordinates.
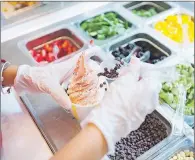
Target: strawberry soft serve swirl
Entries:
(84, 85)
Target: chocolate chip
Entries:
(105, 89)
(99, 74)
(139, 141)
(101, 85)
(104, 83)
(105, 69)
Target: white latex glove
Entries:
(48, 79)
(125, 105)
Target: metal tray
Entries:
(50, 36)
(169, 139)
(176, 45)
(164, 142)
(98, 12)
(28, 14)
(19, 11)
(138, 38)
(159, 6)
(175, 147)
(118, 16)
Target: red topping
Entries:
(46, 52)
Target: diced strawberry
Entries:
(43, 53)
(48, 48)
(50, 57)
(33, 53)
(38, 58)
(65, 44)
(62, 53)
(69, 50)
(74, 49)
(91, 42)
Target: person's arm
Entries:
(9, 75)
(89, 144)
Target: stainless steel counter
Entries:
(57, 126)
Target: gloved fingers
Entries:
(133, 68)
(58, 94)
(94, 51)
(146, 67)
(24, 80)
(149, 89)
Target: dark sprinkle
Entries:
(104, 83)
(101, 85)
(99, 74)
(151, 132)
(105, 69)
(105, 89)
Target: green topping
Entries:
(105, 26)
(170, 94)
(145, 12)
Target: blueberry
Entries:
(126, 53)
(115, 53)
(122, 56)
(155, 61)
(121, 49)
(162, 58)
(130, 46)
(118, 58)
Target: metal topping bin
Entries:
(175, 40)
(13, 13)
(10, 9)
(157, 7)
(176, 147)
(55, 45)
(125, 142)
(146, 43)
(120, 16)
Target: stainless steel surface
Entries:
(99, 11)
(138, 39)
(57, 126)
(159, 6)
(49, 37)
(44, 8)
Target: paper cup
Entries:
(80, 112)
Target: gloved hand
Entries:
(125, 105)
(48, 79)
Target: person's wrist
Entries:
(108, 124)
(9, 75)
